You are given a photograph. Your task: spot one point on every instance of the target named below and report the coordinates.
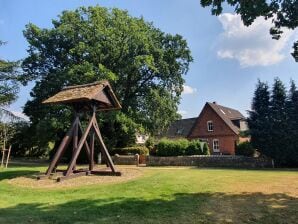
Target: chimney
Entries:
(214, 102)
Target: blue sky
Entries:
(228, 57)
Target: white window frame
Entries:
(208, 128)
(215, 149)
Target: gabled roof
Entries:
(227, 115)
(99, 93)
(180, 128)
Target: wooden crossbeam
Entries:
(79, 174)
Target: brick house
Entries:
(217, 125)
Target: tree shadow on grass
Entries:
(6, 174)
(177, 208)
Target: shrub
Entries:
(168, 147)
(206, 150)
(245, 149)
(180, 147)
(150, 143)
(194, 148)
(141, 150)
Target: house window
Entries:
(215, 145)
(209, 125)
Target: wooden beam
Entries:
(91, 164)
(103, 147)
(105, 173)
(75, 138)
(63, 145)
(80, 145)
(3, 154)
(79, 174)
(86, 142)
(8, 155)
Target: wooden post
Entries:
(3, 154)
(80, 145)
(7, 157)
(4, 148)
(62, 147)
(85, 143)
(75, 137)
(103, 147)
(91, 164)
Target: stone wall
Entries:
(126, 160)
(210, 161)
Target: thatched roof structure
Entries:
(97, 93)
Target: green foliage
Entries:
(244, 134)
(141, 150)
(259, 119)
(278, 121)
(194, 148)
(206, 150)
(273, 123)
(143, 64)
(22, 139)
(179, 147)
(168, 147)
(245, 149)
(150, 142)
(283, 13)
(292, 126)
(8, 85)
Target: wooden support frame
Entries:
(92, 131)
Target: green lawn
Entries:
(183, 195)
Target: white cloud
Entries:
(21, 115)
(188, 90)
(253, 45)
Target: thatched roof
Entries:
(98, 93)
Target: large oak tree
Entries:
(144, 65)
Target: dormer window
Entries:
(209, 125)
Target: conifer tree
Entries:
(258, 120)
(278, 121)
(292, 124)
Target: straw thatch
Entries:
(99, 93)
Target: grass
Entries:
(160, 195)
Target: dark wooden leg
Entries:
(85, 143)
(91, 164)
(75, 140)
(80, 145)
(104, 149)
(65, 142)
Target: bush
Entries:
(151, 144)
(206, 150)
(245, 149)
(141, 150)
(180, 147)
(194, 148)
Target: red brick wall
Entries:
(221, 131)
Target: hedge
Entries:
(141, 150)
(180, 147)
(245, 149)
